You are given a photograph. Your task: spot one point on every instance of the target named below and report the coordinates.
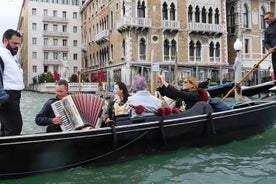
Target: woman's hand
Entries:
(161, 78)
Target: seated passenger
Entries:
(117, 104)
(142, 102)
(190, 93)
(46, 116)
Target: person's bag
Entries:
(218, 106)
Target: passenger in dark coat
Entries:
(190, 93)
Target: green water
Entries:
(247, 161)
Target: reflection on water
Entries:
(248, 161)
(31, 103)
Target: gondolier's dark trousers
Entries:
(273, 58)
(10, 115)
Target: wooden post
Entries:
(153, 74)
(176, 71)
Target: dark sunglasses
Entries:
(185, 82)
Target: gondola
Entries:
(127, 138)
(222, 89)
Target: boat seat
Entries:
(138, 120)
(198, 109)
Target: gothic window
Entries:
(245, 16)
(123, 48)
(141, 9)
(166, 50)
(198, 51)
(203, 15)
(217, 50)
(173, 50)
(262, 13)
(124, 8)
(190, 14)
(231, 21)
(172, 12)
(210, 16)
(142, 49)
(165, 11)
(211, 50)
(217, 16)
(197, 14)
(192, 49)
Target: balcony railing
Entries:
(55, 48)
(135, 22)
(170, 24)
(204, 27)
(52, 62)
(55, 19)
(56, 33)
(102, 36)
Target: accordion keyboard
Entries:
(60, 112)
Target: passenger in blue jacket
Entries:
(46, 116)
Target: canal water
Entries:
(252, 160)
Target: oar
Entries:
(248, 73)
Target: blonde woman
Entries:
(190, 94)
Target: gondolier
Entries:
(270, 37)
(12, 83)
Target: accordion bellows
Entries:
(78, 110)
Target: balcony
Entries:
(133, 22)
(55, 48)
(170, 25)
(204, 28)
(51, 62)
(55, 33)
(103, 36)
(55, 19)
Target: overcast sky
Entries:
(9, 13)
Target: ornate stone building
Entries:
(245, 21)
(124, 37)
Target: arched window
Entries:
(197, 14)
(141, 8)
(217, 16)
(173, 50)
(142, 49)
(172, 12)
(245, 16)
(210, 16)
(211, 50)
(166, 50)
(165, 11)
(192, 50)
(124, 48)
(190, 14)
(203, 15)
(262, 13)
(124, 8)
(231, 21)
(217, 53)
(198, 51)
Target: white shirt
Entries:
(13, 73)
